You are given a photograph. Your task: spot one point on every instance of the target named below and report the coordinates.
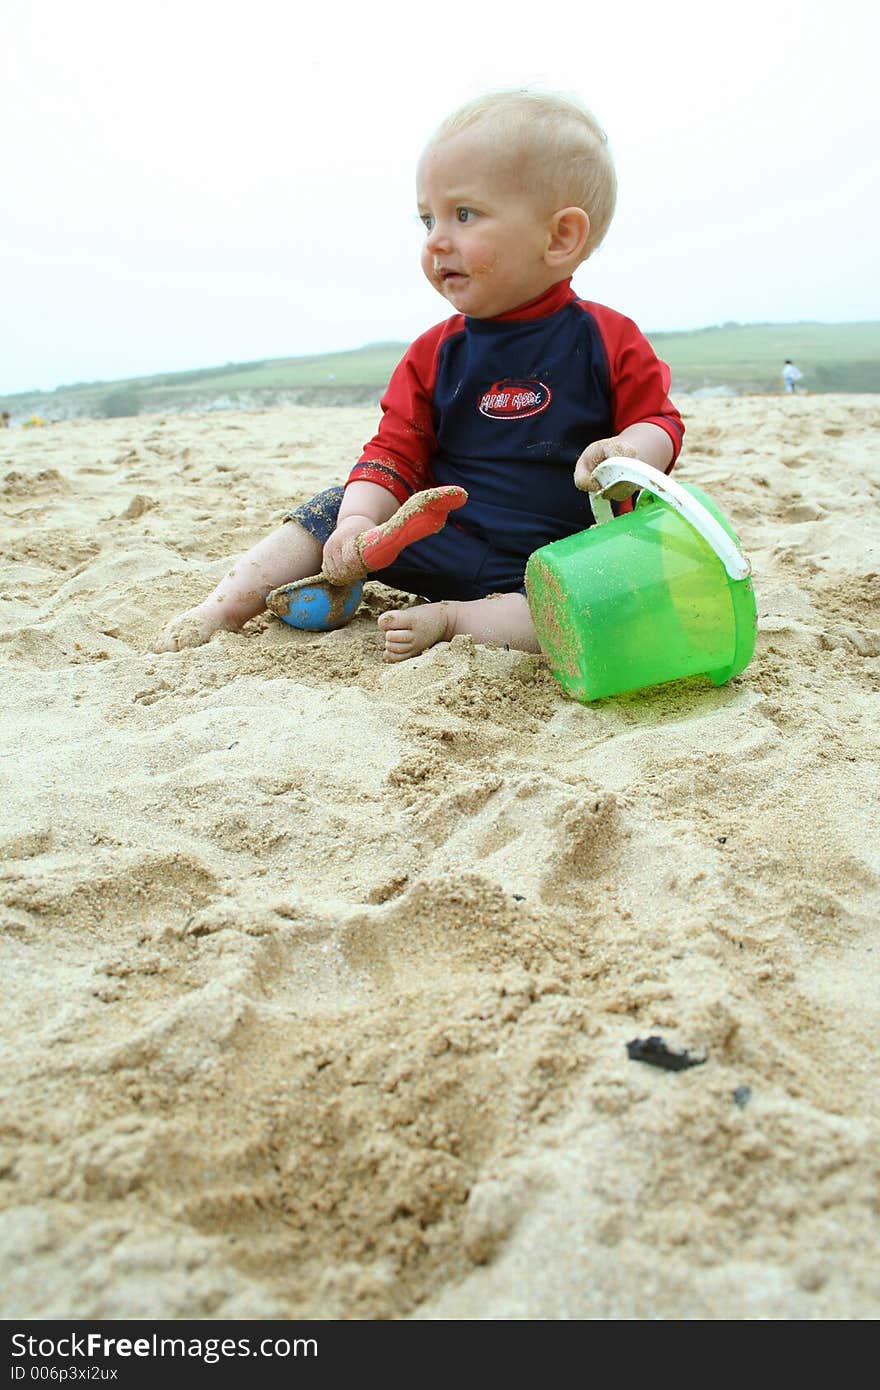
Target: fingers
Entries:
(583, 477)
(341, 562)
(620, 491)
(596, 453)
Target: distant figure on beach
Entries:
(515, 398)
(4, 420)
(790, 375)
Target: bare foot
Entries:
(413, 630)
(193, 628)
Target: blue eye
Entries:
(464, 214)
(427, 222)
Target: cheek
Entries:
(482, 255)
(483, 261)
(427, 262)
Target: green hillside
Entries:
(736, 357)
(749, 357)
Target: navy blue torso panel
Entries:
(514, 405)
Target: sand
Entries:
(319, 972)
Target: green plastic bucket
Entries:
(657, 594)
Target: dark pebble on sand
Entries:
(657, 1053)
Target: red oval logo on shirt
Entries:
(512, 397)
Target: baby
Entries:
(515, 398)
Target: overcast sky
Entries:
(189, 182)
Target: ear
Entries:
(567, 236)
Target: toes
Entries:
(388, 620)
(398, 651)
(399, 641)
(166, 642)
(187, 630)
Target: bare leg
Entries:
(502, 619)
(288, 553)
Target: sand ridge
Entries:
(320, 972)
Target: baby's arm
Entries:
(642, 440)
(363, 506)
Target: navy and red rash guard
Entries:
(504, 407)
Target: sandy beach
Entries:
(319, 972)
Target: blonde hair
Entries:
(553, 147)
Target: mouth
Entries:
(449, 277)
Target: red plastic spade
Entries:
(421, 515)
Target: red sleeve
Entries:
(399, 455)
(639, 381)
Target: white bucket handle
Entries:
(626, 470)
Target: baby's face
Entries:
(486, 241)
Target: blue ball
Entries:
(321, 607)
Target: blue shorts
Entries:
(450, 564)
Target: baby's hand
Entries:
(598, 452)
(342, 561)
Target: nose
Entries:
(438, 239)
